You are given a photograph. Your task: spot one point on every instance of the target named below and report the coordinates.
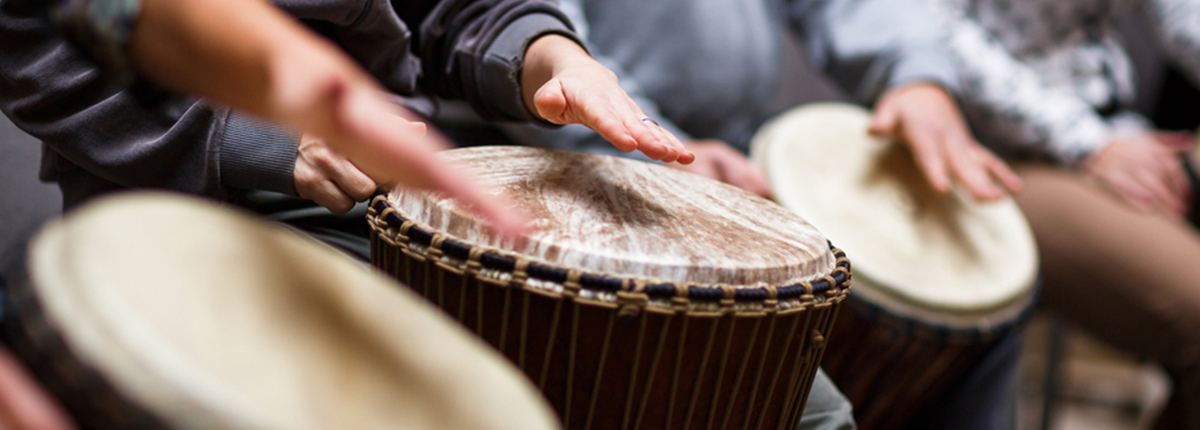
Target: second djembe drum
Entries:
(641, 296)
(939, 277)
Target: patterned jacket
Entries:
(1045, 78)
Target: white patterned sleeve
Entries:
(1177, 25)
(1008, 104)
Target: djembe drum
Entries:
(937, 277)
(641, 298)
(153, 311)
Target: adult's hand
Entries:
(717, 160)
(249, 55)
(327, 178)
(1145, 171)
(24, 404)
(564, 85)
(924, 117)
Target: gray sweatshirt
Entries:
(709, 69)
(98, 137)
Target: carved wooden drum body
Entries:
(157, 311)
(937, 278)
(642, 297)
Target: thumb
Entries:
(884, 120)
(550, 102)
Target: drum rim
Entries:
(388, 224)
(873, 281)
(89, 396)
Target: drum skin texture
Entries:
(159, 311)
(937, 277)
(641, 297)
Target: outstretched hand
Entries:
(925, 118)
(248, 55)
(562, 84)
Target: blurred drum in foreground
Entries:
(157, 311)
(937, 277)
(642, 297)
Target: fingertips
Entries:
(648, 140)
(934, 168)
(1005, 174)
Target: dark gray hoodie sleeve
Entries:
(474, 49)
(55, 93)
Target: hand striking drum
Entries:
(937, 277)
(642, 297)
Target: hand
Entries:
(925, 118)
(24, 404)
(1145, 171)
(566, 86)
(350, 115)
(249, 55)
(717, 160)
(328, 178)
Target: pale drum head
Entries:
(916, 253)
(627, 218)
(211, 319)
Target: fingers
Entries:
(327, 178)
(1160, 194)
(1176, 178)
(353, 182)
(1133, 193)
(738, 171)
(649, 140)
(329, 195)
(932, 161)
(680, 152)
(1001, 171)
(885, 120)
(457, 183)
(393, 154)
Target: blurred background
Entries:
(1069, 381)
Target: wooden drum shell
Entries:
(622, 364)
(896, 365)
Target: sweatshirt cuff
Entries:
(255, 155)
(929, 65)
(500, 77)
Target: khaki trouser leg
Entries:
(1131, 278)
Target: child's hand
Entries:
(564, 85)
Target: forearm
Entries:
(218, 49)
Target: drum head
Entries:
(910, 246)
(211, 319)
(621, 217)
